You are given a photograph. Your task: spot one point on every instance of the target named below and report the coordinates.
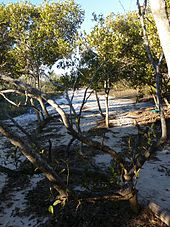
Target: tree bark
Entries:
(134, 202)
(162, 214)
(155, 5)
(158, 8)
(107, 90)
(33, 92)
(36, 110)
(44, 109)
(161, 110)
(99, 106)
(107, 110)
(167, 102)
(35, 159)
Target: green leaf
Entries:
(56, 202)
(137, 173)
(51, 209)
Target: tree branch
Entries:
(32, 155)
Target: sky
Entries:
(97, 6)
(104, 7)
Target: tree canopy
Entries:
(34, 36)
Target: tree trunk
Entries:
(107, 110)
(155, 101)
(134, 202)
(161, 110)
(35, 159)
(156, 5)
(167, 102)
(99, 106)
(44, 109)
(158, 8)
(163, 126)
(38, 82)
(107, 90)
(61, 112)
(36, 111)
(161, 213)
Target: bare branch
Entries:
(122, 6)
(36, 93)
(34, 158)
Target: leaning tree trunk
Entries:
(99, 106)
(35, 159)
(44, 109)
(158, 8)
(36, 110)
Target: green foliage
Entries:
(141, 143)
(55, 203)
(115, 175)
(116, 43)
(37, 35)
(51, 209)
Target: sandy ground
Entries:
(153, 183)
(154, 180)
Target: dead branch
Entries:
(69, 146)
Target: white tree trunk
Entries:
(158, 9)
(107, 110)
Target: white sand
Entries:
(153, 183)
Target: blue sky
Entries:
(97, 6)
(104, 7)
